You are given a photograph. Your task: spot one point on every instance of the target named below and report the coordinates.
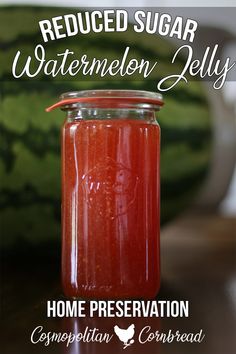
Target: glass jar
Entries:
(110, 194)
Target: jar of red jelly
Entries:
(110, 194)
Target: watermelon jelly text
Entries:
(67, 65)
(110, 194)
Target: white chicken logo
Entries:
(125, 335)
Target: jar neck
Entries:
(120, 100)
(147, 115)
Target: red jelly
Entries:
(110, 194)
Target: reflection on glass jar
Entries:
(110, 194)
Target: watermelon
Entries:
(30, 138)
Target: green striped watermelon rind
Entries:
(30, 139)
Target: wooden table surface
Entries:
(198, 264)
